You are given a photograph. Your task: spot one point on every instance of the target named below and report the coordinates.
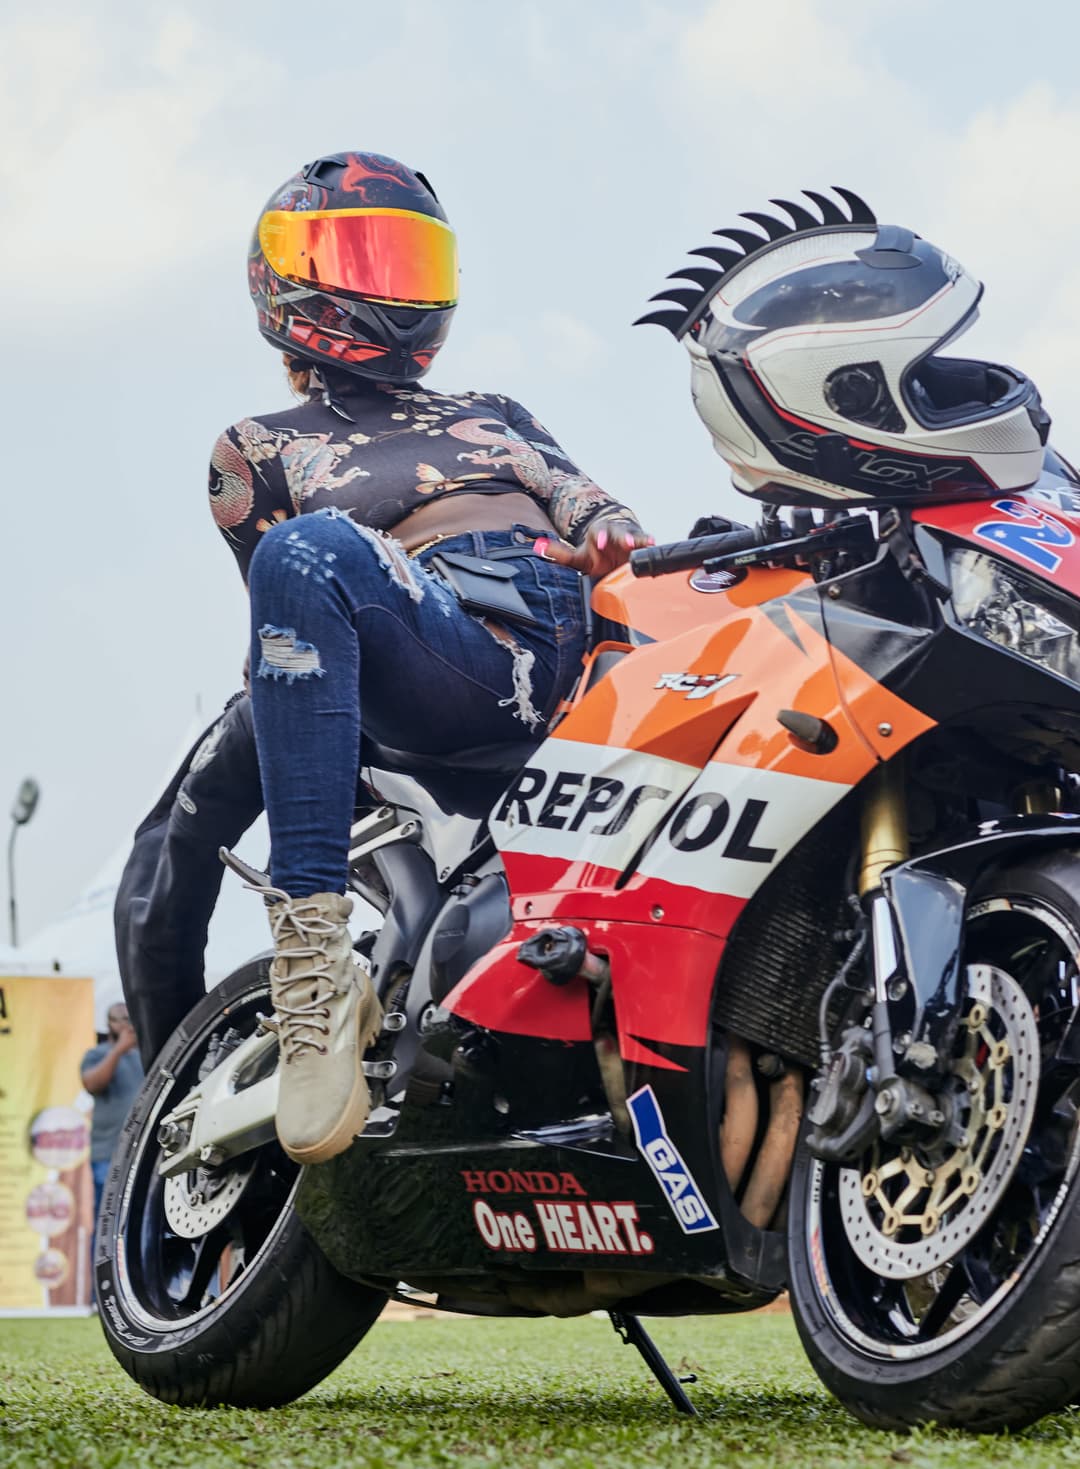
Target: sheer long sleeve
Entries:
(573, 501)
(248, 491)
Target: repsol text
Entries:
(601, 805)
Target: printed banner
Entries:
(46, 1190)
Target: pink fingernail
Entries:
(601, 540)
(650, 540)
(540, 546)
(630, 541)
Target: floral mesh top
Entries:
(379, 453)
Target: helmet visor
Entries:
(390, 255)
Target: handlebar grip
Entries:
(685, 555)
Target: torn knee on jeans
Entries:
(286, 656)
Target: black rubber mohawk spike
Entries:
(749, 244)
(725, 259)
(831, 213)
(861, 213)
(685, 299)
(776, 229)
(684, 307)
(703, 278)
(801, 218)
(672, 321)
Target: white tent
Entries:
(22, 961)
(81, 942)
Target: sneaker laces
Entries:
(300, 1001)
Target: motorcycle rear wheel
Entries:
(231, 1302)
(989, 1337)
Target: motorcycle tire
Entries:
(249, 1313)
(989, 1339)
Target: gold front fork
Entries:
(884, 824)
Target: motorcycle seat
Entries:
(500, 759)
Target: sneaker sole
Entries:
(358, 1108)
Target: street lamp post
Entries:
(23, 807)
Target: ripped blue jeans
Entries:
(349, 632)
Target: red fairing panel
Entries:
(1025, 529)
(661, 985)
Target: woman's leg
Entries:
(346, 627)
(341, 616)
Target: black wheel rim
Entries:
(908, 1318)
(166, 1280)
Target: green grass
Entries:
(464, 1393)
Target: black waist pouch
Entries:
(484, 587)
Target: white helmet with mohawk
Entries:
(815, 366)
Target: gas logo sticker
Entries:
(662, 1156)
(1030, 532)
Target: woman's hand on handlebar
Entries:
(607, 545)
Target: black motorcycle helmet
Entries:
(353, 265)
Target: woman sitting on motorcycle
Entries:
(353, 271)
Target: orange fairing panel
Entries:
(884, 721)
(714, 693)
(635, 707)
(674, 768)
(664, 606)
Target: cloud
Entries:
(571, 346)
(786, 54)
(98, 174)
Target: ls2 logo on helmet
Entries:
(1030, 533)
(662, 1156)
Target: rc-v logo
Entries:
(662, 1156)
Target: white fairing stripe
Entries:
(767, 812)
(588, 803)
(724, 828)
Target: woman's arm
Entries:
(96, 1078)
(600, 530)
(248, 493)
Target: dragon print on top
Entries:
(377, 453)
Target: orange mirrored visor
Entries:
(390, 255)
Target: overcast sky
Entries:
(580, 147)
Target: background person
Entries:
(112, 1073)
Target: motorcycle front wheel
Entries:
(944, 1286)
(210, 1290)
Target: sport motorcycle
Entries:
(758, 973)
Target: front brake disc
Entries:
(905, 1216)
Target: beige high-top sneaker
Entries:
(328, 1014)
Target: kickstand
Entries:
(630, 1329)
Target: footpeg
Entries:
(251, 875)
(379, 1070)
